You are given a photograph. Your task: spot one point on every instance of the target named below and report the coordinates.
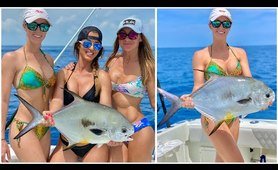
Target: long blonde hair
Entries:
(146, 58)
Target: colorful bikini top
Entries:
(133, 88)
(31, 79)
(214, 68)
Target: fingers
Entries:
(5, 151)
(49, 121)
(70, 66)
(187, 101)
(112, 143)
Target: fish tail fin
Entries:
(175, 105)
(37, 118)
(216, 127)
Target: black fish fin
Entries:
(245, 101)
(216, 127)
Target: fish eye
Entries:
(267, 95)
(124, 130)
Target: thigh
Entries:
(59, 155)
(141, 148)
(223, 141)
(97, 154)
(234, 128)
(116, 154)
(29, 148)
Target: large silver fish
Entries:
(225, 97)
(84, 122)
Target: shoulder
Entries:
(49, 58)
(239, 52)
(103, 75)
(12, 57)
(201, 54)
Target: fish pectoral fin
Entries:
(216, 127)
(130, 139)
(97, 131)
(99, 145)
(69, 147)
(245, 101)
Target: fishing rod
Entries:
(74, 35)
(163, 104)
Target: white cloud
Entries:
(65, 19)
(107, 24)
(11, 25)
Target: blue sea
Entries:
(175, 75)
(63, 60)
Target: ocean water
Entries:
(64, 59)
(175, 75)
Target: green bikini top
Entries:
(214, 68)
(31, 79)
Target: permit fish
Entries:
(84, 122)
(225, 97)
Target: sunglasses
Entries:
(33, 26)
(131, 35)
(88, 44)
(225, 24)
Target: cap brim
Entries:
(127, 26)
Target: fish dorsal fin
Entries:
(212, 79)
(76, 97)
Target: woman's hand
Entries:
(112, 143)
(48, 119)
(187, 101)
(5, 150)
(70, 66)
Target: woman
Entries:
(88, 81)
(31, 72)
(132, 73)
(220, 59)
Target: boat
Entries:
(185, 142)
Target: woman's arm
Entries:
(198, 63)
(244, 62)
(58, 94)
(106, 89)
(8, 73)
(151, 91)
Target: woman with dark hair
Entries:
(90, 83)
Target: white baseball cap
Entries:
(31, 14)
(218, 12)
(134, 23)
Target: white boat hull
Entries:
(186, 142)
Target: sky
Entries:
(189, 27)
(66, 22)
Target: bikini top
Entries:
(31, 79)
(89, 96)
(133, 88)
(214, 68)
